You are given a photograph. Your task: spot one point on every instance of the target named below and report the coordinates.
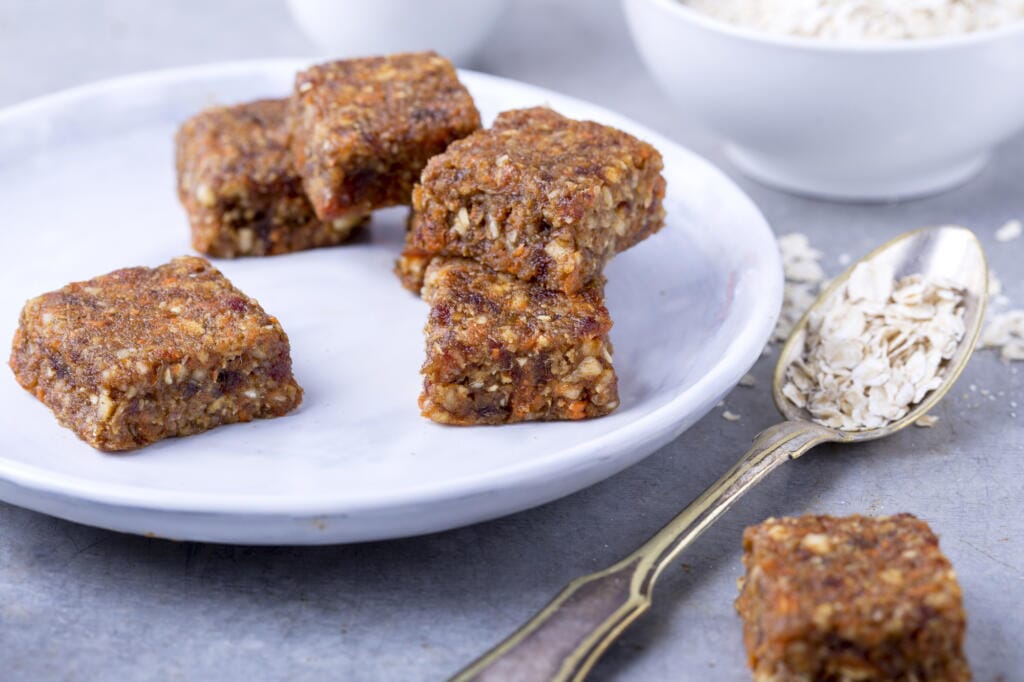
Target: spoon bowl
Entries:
(947, 252)
(564, 640)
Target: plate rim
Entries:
(658, 426)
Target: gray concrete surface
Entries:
(78, 603)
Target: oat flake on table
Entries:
(1010, 231)
(1004, 329)
(801, 266)
(1005, 333)
(995, 289)
(877, 349)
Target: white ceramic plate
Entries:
(87, 186)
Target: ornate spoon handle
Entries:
(564, 640)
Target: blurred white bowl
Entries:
(359, 28)
(870, 121)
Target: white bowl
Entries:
(358, 28)
(867, 121)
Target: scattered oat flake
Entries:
(1005, 332)
(876, 349)
(730, 416)
(1010, 231)
(801, 265)
(926, 421)
(995, 286)
(748, 381)
(844, 259)
(800, 261)
(996, 298)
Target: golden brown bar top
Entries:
(544, 197)
(854, 598)
(363, 129)
(142, 354)
(238, 184)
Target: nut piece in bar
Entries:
(411, 268)
(411, 264)
(544, 197)
(142, 354)
(854, 598)
(500, 350)
(237, 181)
(363, 129)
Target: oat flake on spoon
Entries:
(877, 349)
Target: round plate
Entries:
(87, 185)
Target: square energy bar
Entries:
(237, 181)
(142, 354)
(363, 129)
(541, 196)
(855, 598)
(500, 350)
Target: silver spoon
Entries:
(565, 639)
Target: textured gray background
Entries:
(77, 603)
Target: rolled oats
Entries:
(877, 350)
(1005, 332)
(1004, 329)
(864, 20)
(804, 275)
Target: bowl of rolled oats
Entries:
(843, 99)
